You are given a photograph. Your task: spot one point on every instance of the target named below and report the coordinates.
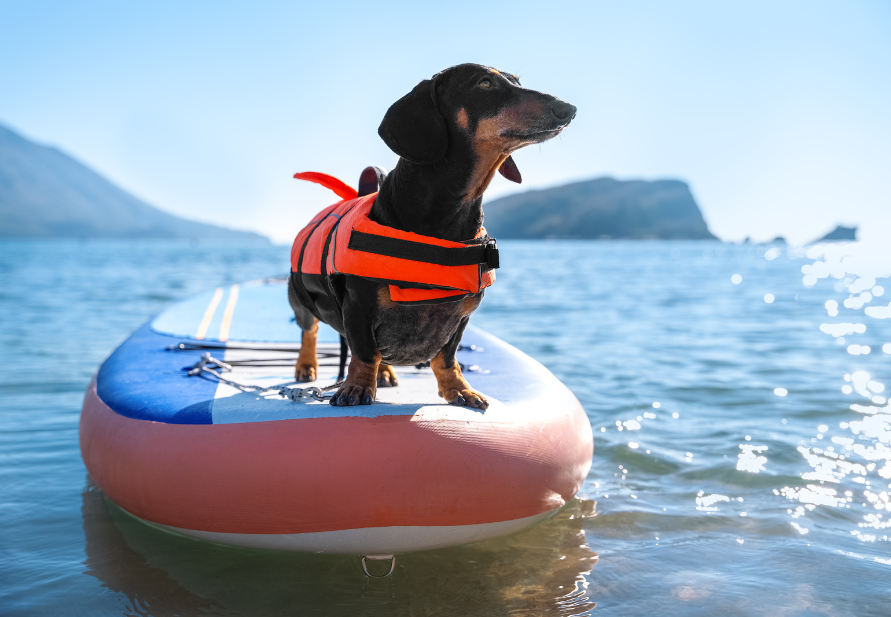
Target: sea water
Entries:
(738, 396)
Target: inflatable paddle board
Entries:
(205, 459)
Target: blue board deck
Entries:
(252, 325)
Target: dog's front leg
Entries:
(386, 376)
(360, 385)
(452, 385)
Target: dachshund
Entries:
(452, 133)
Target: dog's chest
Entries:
(408, 335)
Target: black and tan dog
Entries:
(452, 133)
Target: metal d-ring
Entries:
(392, 559)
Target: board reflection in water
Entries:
(541, 569)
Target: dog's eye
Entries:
(486, 83)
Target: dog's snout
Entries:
(563, 111)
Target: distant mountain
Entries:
(602, 208)
(44, 193)
(840, 234)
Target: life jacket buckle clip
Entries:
(492, 259)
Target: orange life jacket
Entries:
(341, 239)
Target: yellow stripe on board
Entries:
(227, 316)
(209, 313)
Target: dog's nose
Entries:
(563, 111)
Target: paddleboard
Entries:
(208, 460)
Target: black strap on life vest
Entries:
(484, 253)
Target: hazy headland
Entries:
(45, 193)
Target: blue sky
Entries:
(776, 113)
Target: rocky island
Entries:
(602, 208)
(840, 234)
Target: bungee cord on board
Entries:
(210, 365)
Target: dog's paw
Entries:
(348, 395)
(386, 377)
(305, 372)
(467, 397)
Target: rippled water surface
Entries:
(742, 459)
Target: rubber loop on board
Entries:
(392, 559)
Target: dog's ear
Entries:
(413, 128)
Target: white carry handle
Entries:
(392, 559)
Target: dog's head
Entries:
(472, 115)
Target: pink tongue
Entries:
(509, 170)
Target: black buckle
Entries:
(492, 259)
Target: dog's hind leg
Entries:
(386, 376)
(452, 385)
(307, 368)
